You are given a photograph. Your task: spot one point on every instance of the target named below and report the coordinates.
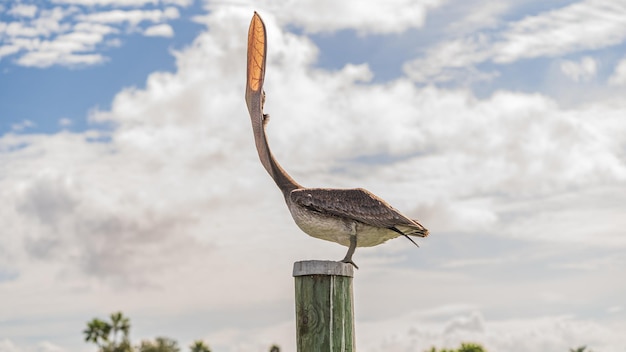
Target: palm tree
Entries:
(471, 347)
(97, 332)
(274, 348)
(580, 349)
(105, 335)
(465, 347)
(199, 346)
(120, 323)
(160, 344)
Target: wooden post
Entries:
(324, 306)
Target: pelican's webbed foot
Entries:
(348, 261)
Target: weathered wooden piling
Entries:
(324, 306)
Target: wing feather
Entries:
(356, 204)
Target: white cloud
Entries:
(6, 50)
(133, 17)
(24, 124)
(178, 191)
(30, 37)
(181, 3)
(447, 60)
(21, 10)
(87, 27)
(7, 345)
(65, 122)
(48, 22)
(583, 70)
(619, 75)
(124, 3)
(114, 3)
(49, 347)
(520, 146)
(585, 25)
(44, 59)
(75, 42)
(67, 49)
(553, 333)
(17, 29)
(74, 32)
(328, 16)
(477, 14)
(415, 331)
(113, 43)
(160, 30)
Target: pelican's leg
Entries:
(348, 258)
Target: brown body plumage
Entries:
(350, 217)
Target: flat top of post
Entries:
(322, 267)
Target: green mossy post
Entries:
(324, 306)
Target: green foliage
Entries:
(160, 344)
(474, 347)
(274, 348)
(120, 323)
(580, 349)
(97, 332)
(199, 346)
(113, 336)
(471, 347)
(465, 347)
(106, 335)
(123, 346)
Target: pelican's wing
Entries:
(356, 204)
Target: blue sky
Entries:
(57, 91)
(130, 182)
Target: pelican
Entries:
(350, 217)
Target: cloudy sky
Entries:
(129, 179)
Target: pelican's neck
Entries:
(280, 176)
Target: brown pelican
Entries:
(350, 217)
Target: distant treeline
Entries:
(113, 336)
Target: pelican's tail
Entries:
(414, 229)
